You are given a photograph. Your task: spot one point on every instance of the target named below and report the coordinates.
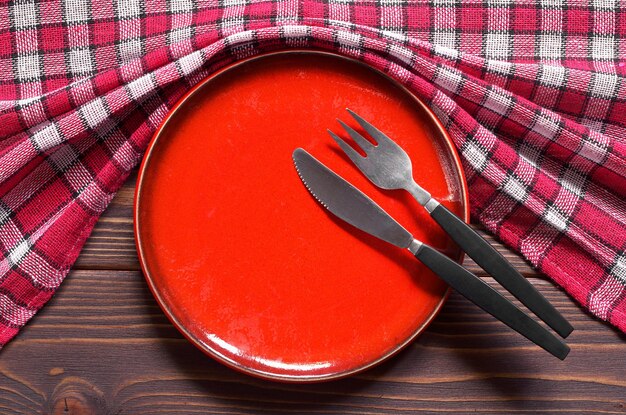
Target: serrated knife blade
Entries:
(347, 202)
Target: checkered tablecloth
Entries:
(533, 93)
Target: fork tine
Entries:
(374, 132)
(361, 141)
(350, 152)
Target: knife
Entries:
(353, 206)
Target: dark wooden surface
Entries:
(103, 346)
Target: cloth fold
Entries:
(533, 93)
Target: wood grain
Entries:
(103, 346)
(103, 343)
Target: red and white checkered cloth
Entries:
(533, 92)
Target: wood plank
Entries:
(103, 346)
(112, 243)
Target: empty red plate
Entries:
(245, 262)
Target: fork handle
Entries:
(490, 300)
(500, 269)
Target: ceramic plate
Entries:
(245, 262)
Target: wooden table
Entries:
(103, 346)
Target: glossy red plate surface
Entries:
(240, 256)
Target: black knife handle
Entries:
(500, 269)
(490, 300)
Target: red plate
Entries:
(245, 262)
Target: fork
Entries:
(389, 167)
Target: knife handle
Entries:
(490, 300)
(500, 269)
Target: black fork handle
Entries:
(490, 300)
(500, 269)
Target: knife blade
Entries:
(353, 206)
(347, 202)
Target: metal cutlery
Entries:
(388, 166)
(353, 206)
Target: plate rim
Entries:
(207, 349)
